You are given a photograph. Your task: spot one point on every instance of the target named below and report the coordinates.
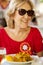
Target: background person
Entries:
(3, 22)
(34, 21)
(18, 36)
(4, 3)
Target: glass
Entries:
(23, 12)
(2, 53)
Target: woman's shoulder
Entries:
(2, 30)
(34, 30)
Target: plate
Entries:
(5, 62)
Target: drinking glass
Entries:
(2, 53)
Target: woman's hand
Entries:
(40, 54)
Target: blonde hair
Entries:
(14, 4)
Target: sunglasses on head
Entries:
(23, 12)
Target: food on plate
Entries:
(9, 58)
(19, 57)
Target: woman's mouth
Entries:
(24, 21)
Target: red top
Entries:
(33, 41)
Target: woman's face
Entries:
(21, 17)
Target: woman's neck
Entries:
(18, 30)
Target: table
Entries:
(38, 62)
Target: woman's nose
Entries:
(26, 16)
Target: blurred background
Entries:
(38, 7)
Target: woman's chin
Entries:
(24, 26)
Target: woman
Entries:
(18, 36)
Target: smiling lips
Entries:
(25, 21)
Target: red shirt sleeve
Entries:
(37, 39)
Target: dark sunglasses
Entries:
(23, 12)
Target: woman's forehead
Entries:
(25, 6)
